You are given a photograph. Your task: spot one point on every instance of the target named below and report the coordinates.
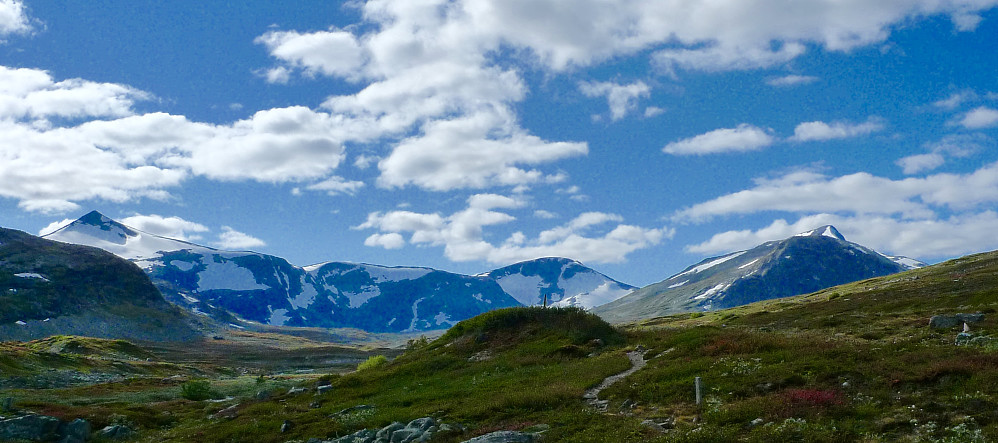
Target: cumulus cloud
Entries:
(593, 236)
(821, 131)
(954, 145)
(791, 80)
(955, 100)
(923, 238)
(744, 137)
(860, 193)
(333, 52)
(980, 118)
(621, 98)
(233, 239)
(170, 227)
(50, 159)
(13, 19)
(54, 226)
(336, 186)
(475, 152)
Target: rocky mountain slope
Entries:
(269, 290)
(804, 263)
(49, 287)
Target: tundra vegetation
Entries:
(857, 362)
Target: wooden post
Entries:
(545, 300)
(697, 383)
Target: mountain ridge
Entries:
(802, 263)
(270, 290)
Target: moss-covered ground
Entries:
(853, 363)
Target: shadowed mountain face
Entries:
(49, 287)
(267, 289)
(804, 263)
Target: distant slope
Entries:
(48, 288)
(565, 283)
(804, 263)
(269, 290)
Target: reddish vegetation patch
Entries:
(813, 398)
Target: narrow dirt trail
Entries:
(591, 396)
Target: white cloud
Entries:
(955, 145)
(462, 234)
(333, 52)
(621, 98)
(540, 213)
(171, 227)
(31, 94)
(980, 118)
(859, 193)
(468, 152)
(54, 226)
(233, 239)
(744, 137)
(336, 186)
(653, 111)
(922, 238)
(821, 131)
(955, 100)
(791, 80)
(13, 19)
(914, 164)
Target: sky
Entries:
(636, 137)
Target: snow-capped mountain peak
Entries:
(827, 231)
(95, 229)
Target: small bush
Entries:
(375, 361)
(197, 390)
(696, 314)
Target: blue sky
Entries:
(637, 137)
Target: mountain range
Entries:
(231, 285)
(806, 262)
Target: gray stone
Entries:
(405, 435)
(116, 432)
(949, 321)
(296, 391)
(756, 422)
(422, 423)
(654, 426)
(504, 437)
(361, 436)
(262, 395)
(963, 338)
(286, 426)
(75, 431)
(354, 409)
(29, 427)
(323, 389)
(386, 432)
(228, 413)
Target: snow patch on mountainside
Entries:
(710, 264)
(306, 297)
(357, 299)
(31, 275)
(278, 317)
(227, 275)
(748, 264)
(712, 291)
(415, 315)
(523, 288)
(382, 274)
(589, 290)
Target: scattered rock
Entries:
(262, 395)
(286, 426)
(596, 342)
(296, 390)
(756, 422)
(323, 389)
(949, 321)
(964, 338)
(654, 426)
(76, 431)
(481, 356)
(353, 409)
(315, 405)
(30, 427)
(116, 432)
(504, 437)
(626, 406)
(416, 431)
(386, 432)
(227, 413)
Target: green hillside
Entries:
(852, 363)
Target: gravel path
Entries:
(637, 358)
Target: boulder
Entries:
(385, 434)
(323, 389)
(504, 437)
(76, 431)
(116, 432)
(30, 427)
(949, 321)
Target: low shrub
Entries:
(375, 361)
(197, 390)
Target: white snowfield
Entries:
(31, 275)
(710, 264)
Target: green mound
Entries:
(70, 344)
(512, 326)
